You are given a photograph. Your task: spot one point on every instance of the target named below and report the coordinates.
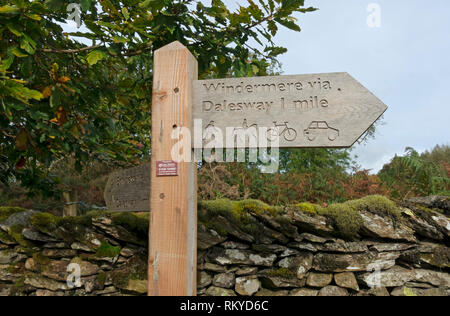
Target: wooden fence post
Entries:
(173, 199)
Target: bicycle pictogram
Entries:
(281, 130)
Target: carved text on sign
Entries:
(129, 189)
(319, 110)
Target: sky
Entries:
(405, 62)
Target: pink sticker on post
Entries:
(166, 168)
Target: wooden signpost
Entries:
(323, 110)
(173, 199)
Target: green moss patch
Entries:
(101, 279)
(18, 287)
(377, 204)
(108, 251)
(238, 214)
(40, 259)
(135, 269)
(256, 207)
(238, 210)
(346, 218)
(16, 233)
(308, 208)
(7, 211)
(45, 222)
(132, 223)
(5, 238)
(280, 273)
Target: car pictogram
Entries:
(317, 128)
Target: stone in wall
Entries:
(250, 249)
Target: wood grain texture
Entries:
(173, 200)
(317, 110)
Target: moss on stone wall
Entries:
(376, 204)
(308, 208)
(138, 224)
(240, 214)
(45, 222)
(7, 211)
(108, 251)
(268, 246)
(346, 218)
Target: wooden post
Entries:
(173, 199)
(70, 209)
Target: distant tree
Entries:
(415, 174)
(315, 160)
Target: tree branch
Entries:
(69, 51)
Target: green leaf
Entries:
(6, 63)
(95, 56)
(85, 5)
(28, 45)
(33, 17)
(120, 39)
(125, 13)
(7, 9)
(31, 94)
(13, 29)
(255, 69)
(289, 24)
(273, 28)
(17, 52)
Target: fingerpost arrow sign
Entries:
(320, 110)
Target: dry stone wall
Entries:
(359, 248)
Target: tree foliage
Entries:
(418, 174)
(87, 94)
